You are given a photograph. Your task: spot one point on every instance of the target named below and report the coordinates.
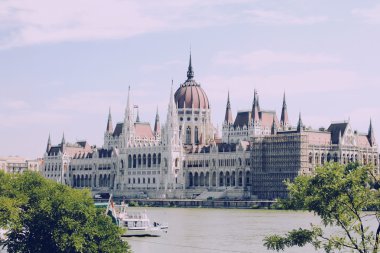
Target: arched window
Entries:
(154, 159)
(328, 157)
(176, 162)
(122, 164)
(196, 136)
(188, 135)
(310, 157)
(149, 160)
(134, 161)
(323, 159)
(129, 161)
(159, 158)
(139, 160)
(335, 157)
(144, 159)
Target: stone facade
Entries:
(286, 154)
(185, 157)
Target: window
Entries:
(188, 135)
(196, 135)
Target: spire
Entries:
(300, 126)
(48, 146)
(128, 111)
(190, 72)
(109, 122)
(63, 142)
(138, 115)
(255, 108)
(284, 114)
(228, 117)
(274, 126)
(157, 127)
(371, 134)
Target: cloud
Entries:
(16, 104)
(263, 58)
(90, 102)
(42, 21)
(282, 18)
(371, 15)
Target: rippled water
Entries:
(219, 230)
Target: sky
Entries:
(63, 64)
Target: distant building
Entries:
(185, 157)
(16, 164)
(285, 154)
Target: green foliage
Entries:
(44, 216)
(338, 194)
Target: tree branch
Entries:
(348, 234)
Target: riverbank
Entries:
(235, 204)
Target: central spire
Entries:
(190, 72)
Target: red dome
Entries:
(191, 95)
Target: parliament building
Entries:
(183, 156)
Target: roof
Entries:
(363, 141)
(191, 95)
(143, 130)
(335, 129)
(242, 118)
(267, 118)
(318, 138)
(118, 130)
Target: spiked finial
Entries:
(228, 116)
(284, 114)
(371, 134)
(63, 139)
(48, 146)
(157, 127)
(255, 107)
(300, 124)
(190, 72)
(109, 122)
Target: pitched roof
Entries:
(267, 118)
(242, 118)
(143, 130)
(335, 129)
(118, 130)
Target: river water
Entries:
(204, 230)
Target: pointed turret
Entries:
(371, 134)
(255, 108)
(284, 114)
(300, 126)
(138, 115)
(128, 126)
(157, 127)
(172, 127)
(190, 72)
(228, 117)
(274, 126)
(63, 139)
(128, 111)
(48, 146)
(109, 128)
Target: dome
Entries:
(190, 94)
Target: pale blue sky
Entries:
(63, 63)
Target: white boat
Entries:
(138, 224)
(134, 223)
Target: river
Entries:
(204, 230)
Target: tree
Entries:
(43, 216)
(344, 197)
